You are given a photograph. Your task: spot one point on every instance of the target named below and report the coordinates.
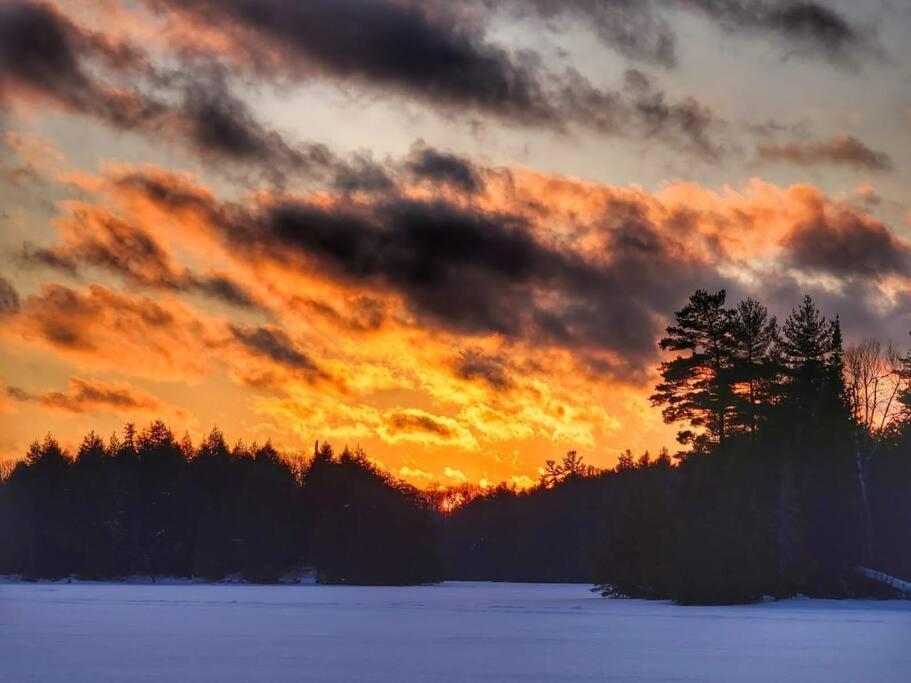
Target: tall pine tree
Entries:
(696, 387)
(755, 362)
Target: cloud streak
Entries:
(841, 150)
(94, 237)
(98, 327)
(643, 30)
(416, 425)
(810, 28)
(86, 396)
(274, 344)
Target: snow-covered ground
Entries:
(454, 632)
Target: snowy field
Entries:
(455, 632)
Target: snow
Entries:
(85, 632)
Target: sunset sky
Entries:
(448, 231)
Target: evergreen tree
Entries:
(93, 507)
(696, 388)
(812, 356)
(755, 365)
(51, 549)
(818, 435)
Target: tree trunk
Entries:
(903, 587)
(864, 497)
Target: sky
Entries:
(448, 232)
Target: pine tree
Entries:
(626, 461)
(696, 388)
(805, 345)
(835, 388)
(813, 362)
(754, 333)
(128, 447)
(819, 436)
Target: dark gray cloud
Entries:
(274, 344)
(362, 174)
(841, 150)
(445, 258)
(803, 26)
(9, 298)
(397, 45)
(847, 246)
(436, 166)
(221, 125)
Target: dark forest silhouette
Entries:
(796, 470)
(149, 505)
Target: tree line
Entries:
(148, 504)
(794, 469)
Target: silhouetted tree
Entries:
(51, 544)
(755, 364)
(696, 388)
(570, 466)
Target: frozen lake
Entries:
(453, 632)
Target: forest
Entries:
(793, 470)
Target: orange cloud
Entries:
(414, 425)
(85, 395)
(155, 338)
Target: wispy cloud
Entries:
(86, 395)
(841, 150)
